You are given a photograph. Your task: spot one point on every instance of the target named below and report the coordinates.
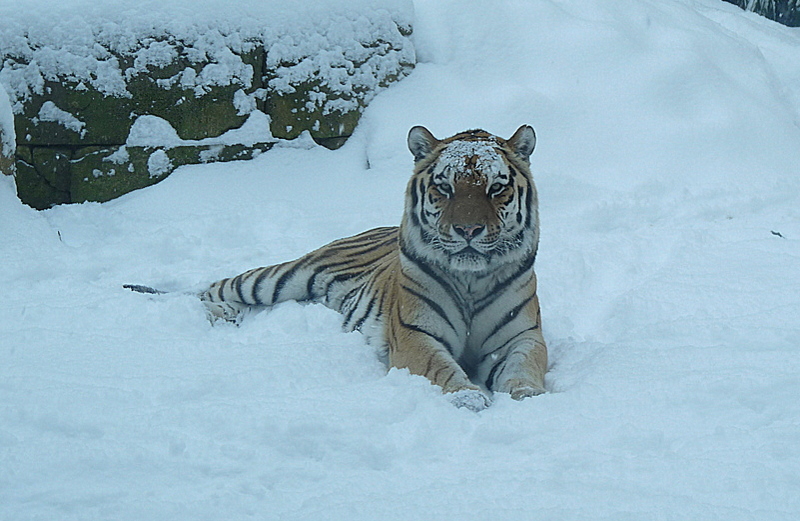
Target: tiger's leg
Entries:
(229, 298)
(327, 275)
(521, 372)
(412, 348)
(517, 363)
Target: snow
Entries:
(153, 131)
(487, 157)
(158, 163)
(669, 277)
(7, 143)
(50, 112)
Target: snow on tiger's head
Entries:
(462, 158)
(471, 203)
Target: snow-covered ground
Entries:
(669, 266)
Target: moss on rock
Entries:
(95, 118)
(294, 113)
(40, 179)
(101, 174)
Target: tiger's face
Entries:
(471, 203)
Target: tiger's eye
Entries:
(445, 190)
(496, 188)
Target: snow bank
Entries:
(668, 277)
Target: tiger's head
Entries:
(471, 204)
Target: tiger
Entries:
(450, 294)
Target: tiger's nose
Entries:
(468, 231)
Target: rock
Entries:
(70, 113)
(292, 114)
(101, 174)
(311, 68)
(42, 178)
(329, 104)
(195, 112)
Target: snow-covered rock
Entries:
(79, 73)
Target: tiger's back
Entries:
(451, 293)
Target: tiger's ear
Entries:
(421, 142)
(523, 141)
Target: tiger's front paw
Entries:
(471, 399)
(525, 391)
(521, 388)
